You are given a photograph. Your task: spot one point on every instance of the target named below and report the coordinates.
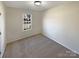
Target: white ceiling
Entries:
(30, 4)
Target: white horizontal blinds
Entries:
(27, 21)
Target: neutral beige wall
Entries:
(2, 29)
(15, 24)
(62, 25)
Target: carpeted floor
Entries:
(37, 46)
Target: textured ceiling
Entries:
(30, 4)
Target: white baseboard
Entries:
(22, 38)
(2, 52)
(54, 39)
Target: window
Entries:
(27, 22)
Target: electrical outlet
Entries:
(0, 33)
(0, 14)
(0, 53)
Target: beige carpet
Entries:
(37, 46)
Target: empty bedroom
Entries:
(39, 29)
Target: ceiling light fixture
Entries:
(37, 3)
